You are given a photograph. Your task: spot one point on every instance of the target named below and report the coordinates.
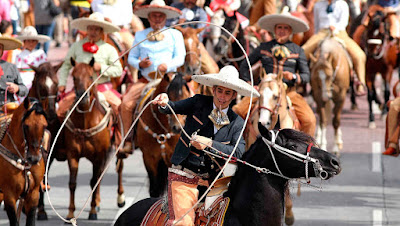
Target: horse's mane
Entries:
(36, 106)
(175, 86)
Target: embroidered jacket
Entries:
(197, 109)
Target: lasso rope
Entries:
(73, 221)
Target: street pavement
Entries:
(367, 192)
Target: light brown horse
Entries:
(157, 134)
(21, 161)
(87, 134)
(195, 55)
(330, 79)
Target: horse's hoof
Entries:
(372, 125)
(42, 216)
(92, 216)
(289, 220)
(121, 200)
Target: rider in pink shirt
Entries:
(5, 8)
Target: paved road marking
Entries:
(376, 156)
(377, 217)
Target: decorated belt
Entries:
(180, 170)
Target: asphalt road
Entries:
(367, 192)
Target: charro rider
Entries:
(216, 125)
(332, 17)
(281, 54)
(162, 53)
(10, 79)
(105, 57)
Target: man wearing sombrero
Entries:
(104, 56)
(10, 79)
(281, 54)
(29, 55)
(331, 17)
(161, 53)
(216, 125)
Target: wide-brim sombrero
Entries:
(268, 22)
(227, 77)
(30, 33)
(157, 6)
(10, 43)
(95, 19)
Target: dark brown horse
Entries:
(258, 198)
(382, 57)
(157, 133)
(330, 80)
(21, 161)
(88, 134)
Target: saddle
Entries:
(158, 213)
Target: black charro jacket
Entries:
(197, 109)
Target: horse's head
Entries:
(225, 41)
(376, 33)
(214, 34)
(192, 44)
(323, 69)
(82, 76)
(271, 93)
(289, 151)
(44, 87)
(34, 123)
(177, 90)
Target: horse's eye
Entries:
(275, 97)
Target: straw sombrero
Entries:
(268, 22)
(30, 33)
(96, 19)
(10, 43)
(227, 77)
(157, 6)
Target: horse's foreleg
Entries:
(337, 112)
(289, 216)
(73, 164)
(41, 215)
(95, 204)
(321, 132)
(385, 109)
(121, 196)
(10, 207)
(31, 203)
(371, 123)
(151, 164)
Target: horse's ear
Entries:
(26, 103)
(277, 124)
(72, 62)
(264, 131)
(179, 28)
(313, 58)
(91, 63)
(57, 66)
(198, 30)
(33, 68)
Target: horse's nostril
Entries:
(335, 163)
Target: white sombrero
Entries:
(96, 19)
(158, 6)
(227, 77)
(30, 33)
(268, 22)
(10, 43)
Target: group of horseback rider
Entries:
(211, 118)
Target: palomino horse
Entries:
(330, 79)
(87, 134)
(257, 198)
(382, 57)
(21, 161)
(157, 134)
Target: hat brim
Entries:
(10, 43)
(39, 38)
(240, 86)
(144, 11)
(82, 23)
(268, 22)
